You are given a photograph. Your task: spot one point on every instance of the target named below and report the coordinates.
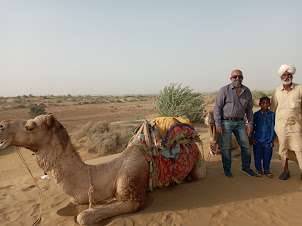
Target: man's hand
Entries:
(219, 130)
(249, 131)
(254, 142)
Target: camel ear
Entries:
(50, 120)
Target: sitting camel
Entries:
(124, 179)
(208, 116)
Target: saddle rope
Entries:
(40, 193)
(90, 187)
(202, 153)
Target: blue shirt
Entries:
(229, 105)
(263, 130)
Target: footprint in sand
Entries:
(171, 219)
(28, 188)
(219, 214)
(3, 196)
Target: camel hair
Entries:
(208, 117)
(124, 179)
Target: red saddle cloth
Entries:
(168, 171)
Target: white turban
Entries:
(286, 67)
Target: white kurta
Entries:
(288, 126)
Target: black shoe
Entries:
(228, 173)
(284, 176)
(249, 172)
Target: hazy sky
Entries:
(95, 47)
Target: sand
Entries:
(214, 200)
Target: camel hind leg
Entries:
(198, 172)
(97, 214)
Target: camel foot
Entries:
(85, 218)
(97, 214)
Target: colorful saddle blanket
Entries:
(167, 130)
(175, 161)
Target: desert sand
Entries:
(214, 200)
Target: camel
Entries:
(208, 116)
(123, 179)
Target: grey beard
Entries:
(237, 83)
(286, 81)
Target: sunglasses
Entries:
(239, 76)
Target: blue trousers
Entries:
(262, 152)
(239, 129)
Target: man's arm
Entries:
(249, 112)
(274, 103)
(219, 103)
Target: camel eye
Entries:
(29, 128)
(1, 127)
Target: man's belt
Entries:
(236, 119)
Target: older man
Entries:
(287, 104)
(233, 102)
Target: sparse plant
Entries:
(103, 138)
(35, 110)
(137, 117)
(175, 101)
(18, 100)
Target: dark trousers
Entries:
(262, 152)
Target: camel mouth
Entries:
(5, 142)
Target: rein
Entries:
(40, 193)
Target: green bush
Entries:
(35, 110)
(175, 101)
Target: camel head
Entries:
(33, 134)
(208, 116)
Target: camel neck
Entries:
(66, 170)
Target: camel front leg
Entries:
(98, 214)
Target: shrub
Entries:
(18, 101)
(35, 110)
(175, 101)
(103, 138)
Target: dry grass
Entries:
(50, 100)
(103, 138)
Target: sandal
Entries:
(268, 174)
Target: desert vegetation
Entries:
(176, 101)
(103, 138)
(26, 101)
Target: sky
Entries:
(128, 47)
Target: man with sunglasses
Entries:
(233, 103)
(287, 104)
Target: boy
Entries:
(263, 137)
